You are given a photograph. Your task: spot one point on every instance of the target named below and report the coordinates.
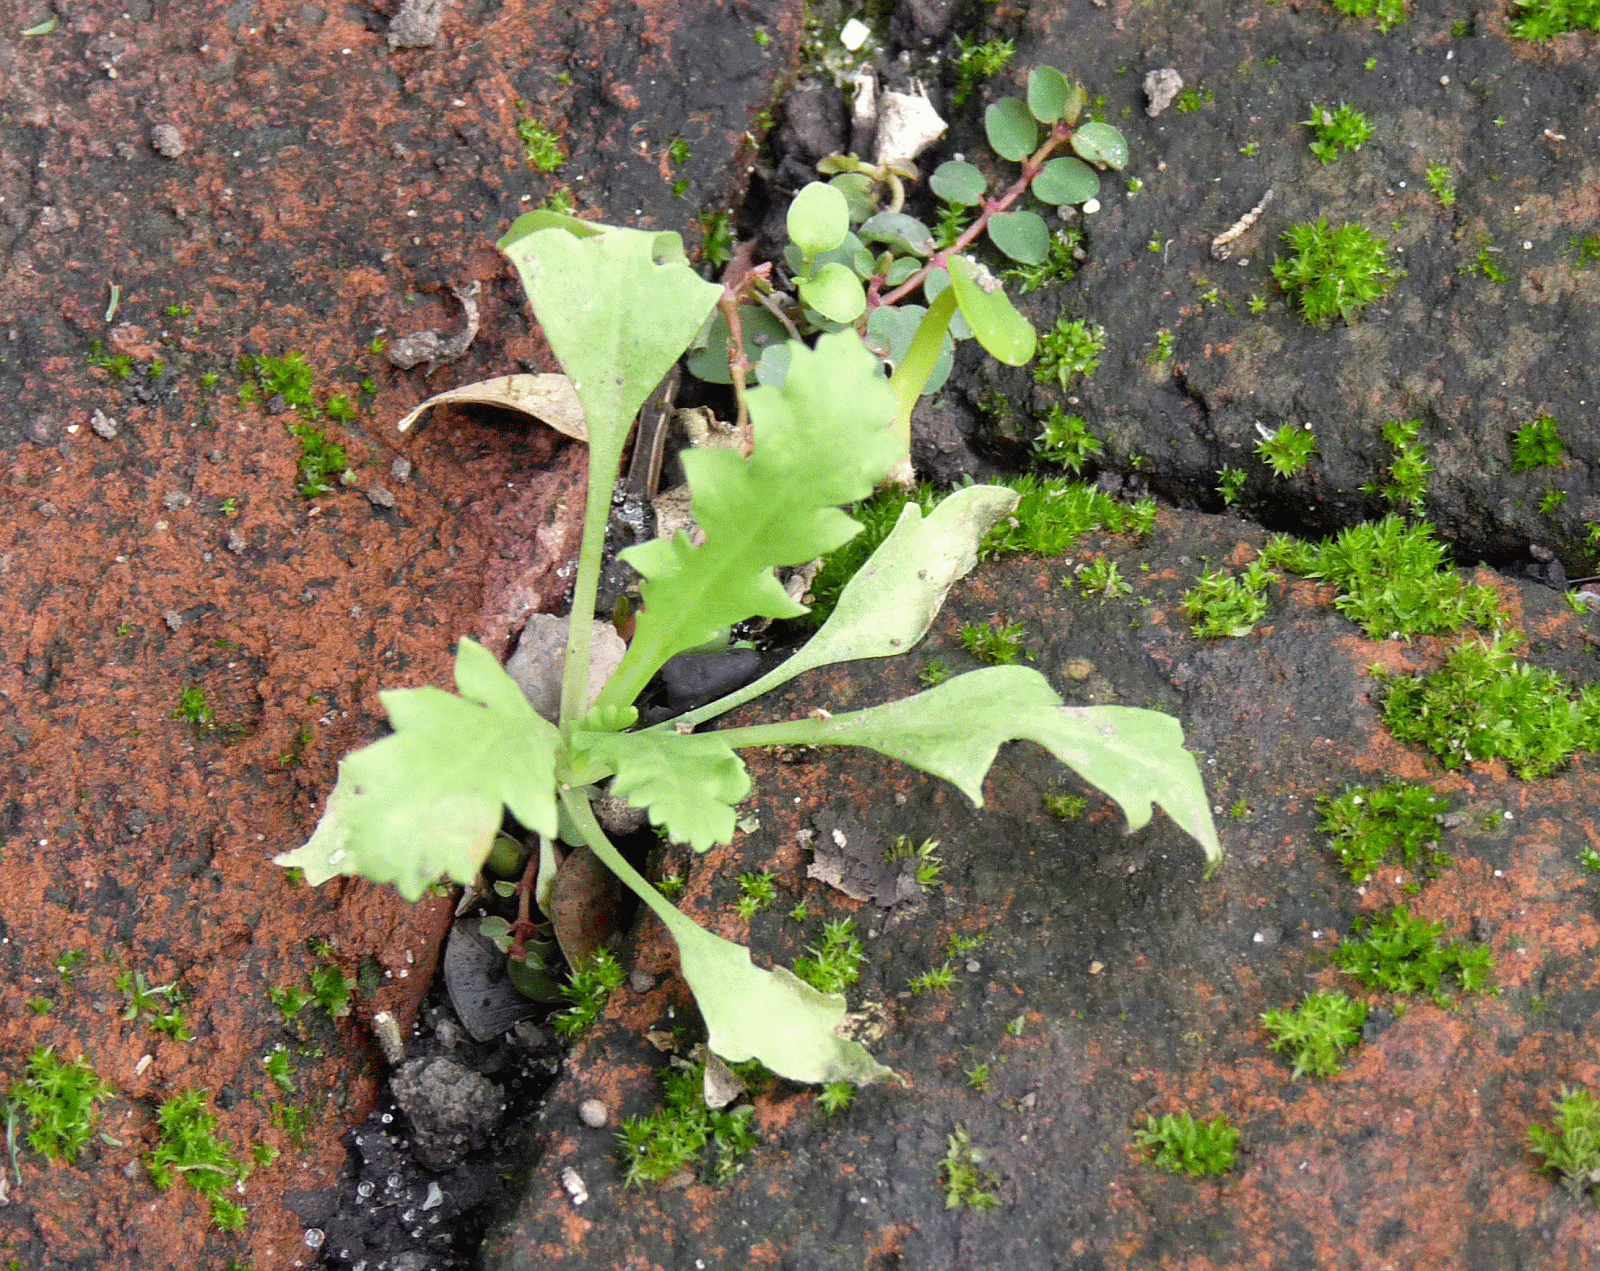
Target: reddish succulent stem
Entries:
(524, 925)
(1030, 169)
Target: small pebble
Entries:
(236, 543)
(593, 1113)
(640, 980)
(166, 141)
(103, 424)
(47, 508)
(173, 619)
(400, 470)
(172, 500)
(380, 497)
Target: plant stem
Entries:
(1030, 169)
(605, 457)
(738, 363)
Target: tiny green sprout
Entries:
(192, 707)
(209, 380)
(1210, 295)
(377, 345)
(1585, 250)
(280, 1068)
(189, 1148)
(1571, 1148)
(1389, 13)
(836, 1096)
(1068, 349)
(1230, 484)
(1066, 440)
(935, 673)
(1401, 954)
(178, 310)
(1438, 179)
(958, 944)
(1014, 1027)
(290, 1000)
(978, 1078)
(1250, 149)
(40, 1005)
(1364, 825)
(965, 1185)
(369, 385)
(297, 1123)
(264, 1153)
(760, 888)
(1590, 859)
(800, 912)
(1240, 808)
(1537, 444)
(938, 980)
(678, 152)
(1181, 1145)
(1371, 64)
(1553, 499)
(1101, 578)
(174, 1023)
(68, 962)
(57, 1100)
(1162, 352)
(330, 988)
(760, 36)
(1316, 1033)
(540, 146)
(589, 990)
(929, 867)
(294, 876)
(1334, 272)
(836, 964)
(1065, 807)
(1410, 468)
(680, 187)
(671, 885)
(1190, 101)
(1575, 602)
(1135, 185)
(1460, 28)
(561, 202)
(1154, 245)
(1222, 605)
(994, 642)
(1287, 450)
(340, 409)
(1257, 304)
(717, 248)
(1344, 127)
(229, 506)
(154, 369)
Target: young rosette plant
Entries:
(619, 306)
(856, 259)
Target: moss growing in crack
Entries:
(1571, 1147)
(590, 989)
(835, 965)
(56, 1103)
(1334, 273)
(1537, 444)
(966, 1186)
(1179, 1144)
(1364, 826)
(1222, 605)
(1485, 704)
(189, 1148)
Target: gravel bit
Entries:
(380, 497)
(103, 424)
(1161, 87)
(593, 1113)
(417, 24)
(400, 470)
(167, 141)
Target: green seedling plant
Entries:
(857, 259)
(1334, 273)
(978, 1078)
(1571, 1147)
(1065, 807)
(1438, 180)
(1389, 13)
(938, 980)
(1343, 128)
(1317, 1033)
(1286, 449)
(976, 62)
(195, 710)
(686, 1134)
(589, 990)
(966, 1186)
(1179, 1144)
(1409, 469)
(836, 1096)
(1223, 605)
(1546, 19)
(995, 642)
(56, 1102)
(1070, 348)
(330, 989)
(1537, 444)
(1230, 484)
(834, 965)
(540, 145)
(1060, 263)
(189, 1148)
(1066, 441)
(1394, 580)
(1402, 954)
(1101, 578)
(618, 307)
(1364, 826)
(1484, 704)
(756, 892)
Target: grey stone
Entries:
(541, 652)
(167, 141)
(103, 424)
(380, 497)
(1160, 87)
(417, 24)
(452, 1109)
(814, 122)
